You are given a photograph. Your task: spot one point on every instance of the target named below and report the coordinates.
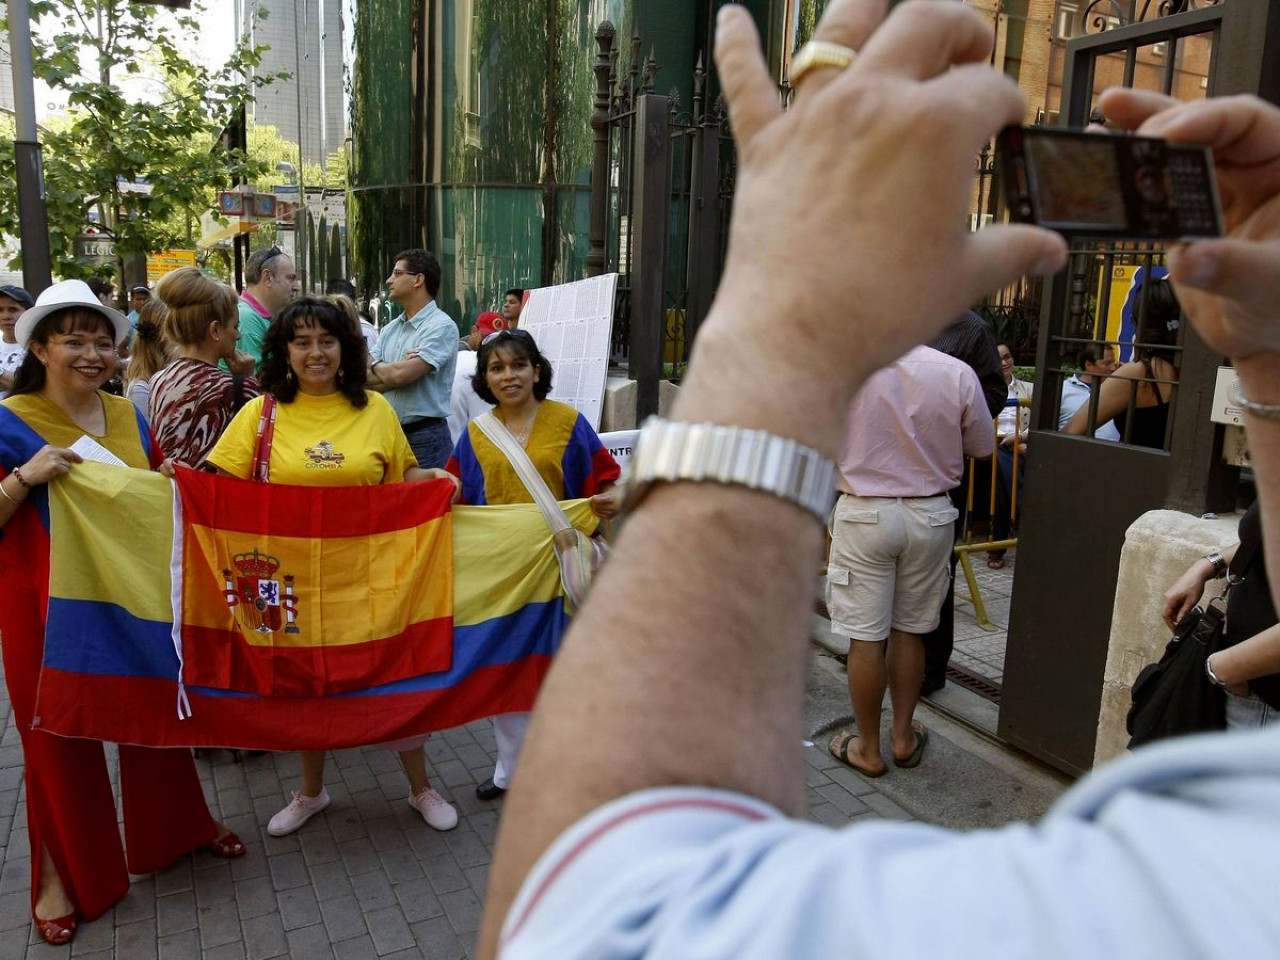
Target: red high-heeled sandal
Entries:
(227, 846)
(56, 932)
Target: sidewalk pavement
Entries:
(367, 878)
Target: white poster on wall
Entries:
(573, 325)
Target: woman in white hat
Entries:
(78, 867)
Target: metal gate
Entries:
(1082, 493)
(661, 189)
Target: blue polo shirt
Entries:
(434, 335)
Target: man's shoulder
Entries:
(932, 361)
(248, 313)
(437, 318)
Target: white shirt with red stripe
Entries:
(1169, 853)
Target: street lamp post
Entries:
(33, 215)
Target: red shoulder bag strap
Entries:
(261, 469)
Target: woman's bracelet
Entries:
(7, 495)
(1264, 411)
(17, 473)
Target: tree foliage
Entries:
(95, 52)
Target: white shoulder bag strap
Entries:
(497, 432)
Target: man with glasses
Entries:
(415, 358)
(269, 286)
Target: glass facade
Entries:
(471, 131)
(471, 137)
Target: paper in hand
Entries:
(92, 451)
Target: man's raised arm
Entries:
(687, 666)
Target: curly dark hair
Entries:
(522, 344)
(276, 376)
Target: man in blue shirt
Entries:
(1097, 362)
(414, 360)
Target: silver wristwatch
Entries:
(669, 451)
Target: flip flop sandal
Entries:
(839, 748)
(913, 759)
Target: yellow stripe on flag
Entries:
(112, 531)
(501, 561)
(348, 589)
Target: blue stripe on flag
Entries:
(94, 637)
(83, 637)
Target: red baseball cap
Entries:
(490, 322)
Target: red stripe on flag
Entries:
(223, 660)
(143, 711)
(270, 509)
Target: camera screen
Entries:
(1076, 180)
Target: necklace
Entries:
(522, 436)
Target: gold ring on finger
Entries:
(820, 53)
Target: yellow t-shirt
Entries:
(320, 441)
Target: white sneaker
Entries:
(299, 811)
(435, 809)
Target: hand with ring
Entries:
(48, 463)
(858, 188)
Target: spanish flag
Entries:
(302, 596)
(214, 612)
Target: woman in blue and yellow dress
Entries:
(78, 867)
(512, 374)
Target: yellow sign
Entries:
(167, 261)
(1111, 311)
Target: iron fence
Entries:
(661, 196)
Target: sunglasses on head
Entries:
(516, 334)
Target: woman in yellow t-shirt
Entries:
(328, 431)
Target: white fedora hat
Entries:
(68, 293)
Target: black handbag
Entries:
(1174, 696)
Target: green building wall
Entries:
(471, 132)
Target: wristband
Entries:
(17, 473)
(1264, 411)
(1208, 672)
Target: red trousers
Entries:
(70, 806)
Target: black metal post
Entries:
(648, 266)
(33, 214)
(704, 212)
(598, 257)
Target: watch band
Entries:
(1219, 564)
(669, 451)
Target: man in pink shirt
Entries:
(910, 428)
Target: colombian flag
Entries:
(170, 608)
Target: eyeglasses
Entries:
(516, 334)
(397, 272)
